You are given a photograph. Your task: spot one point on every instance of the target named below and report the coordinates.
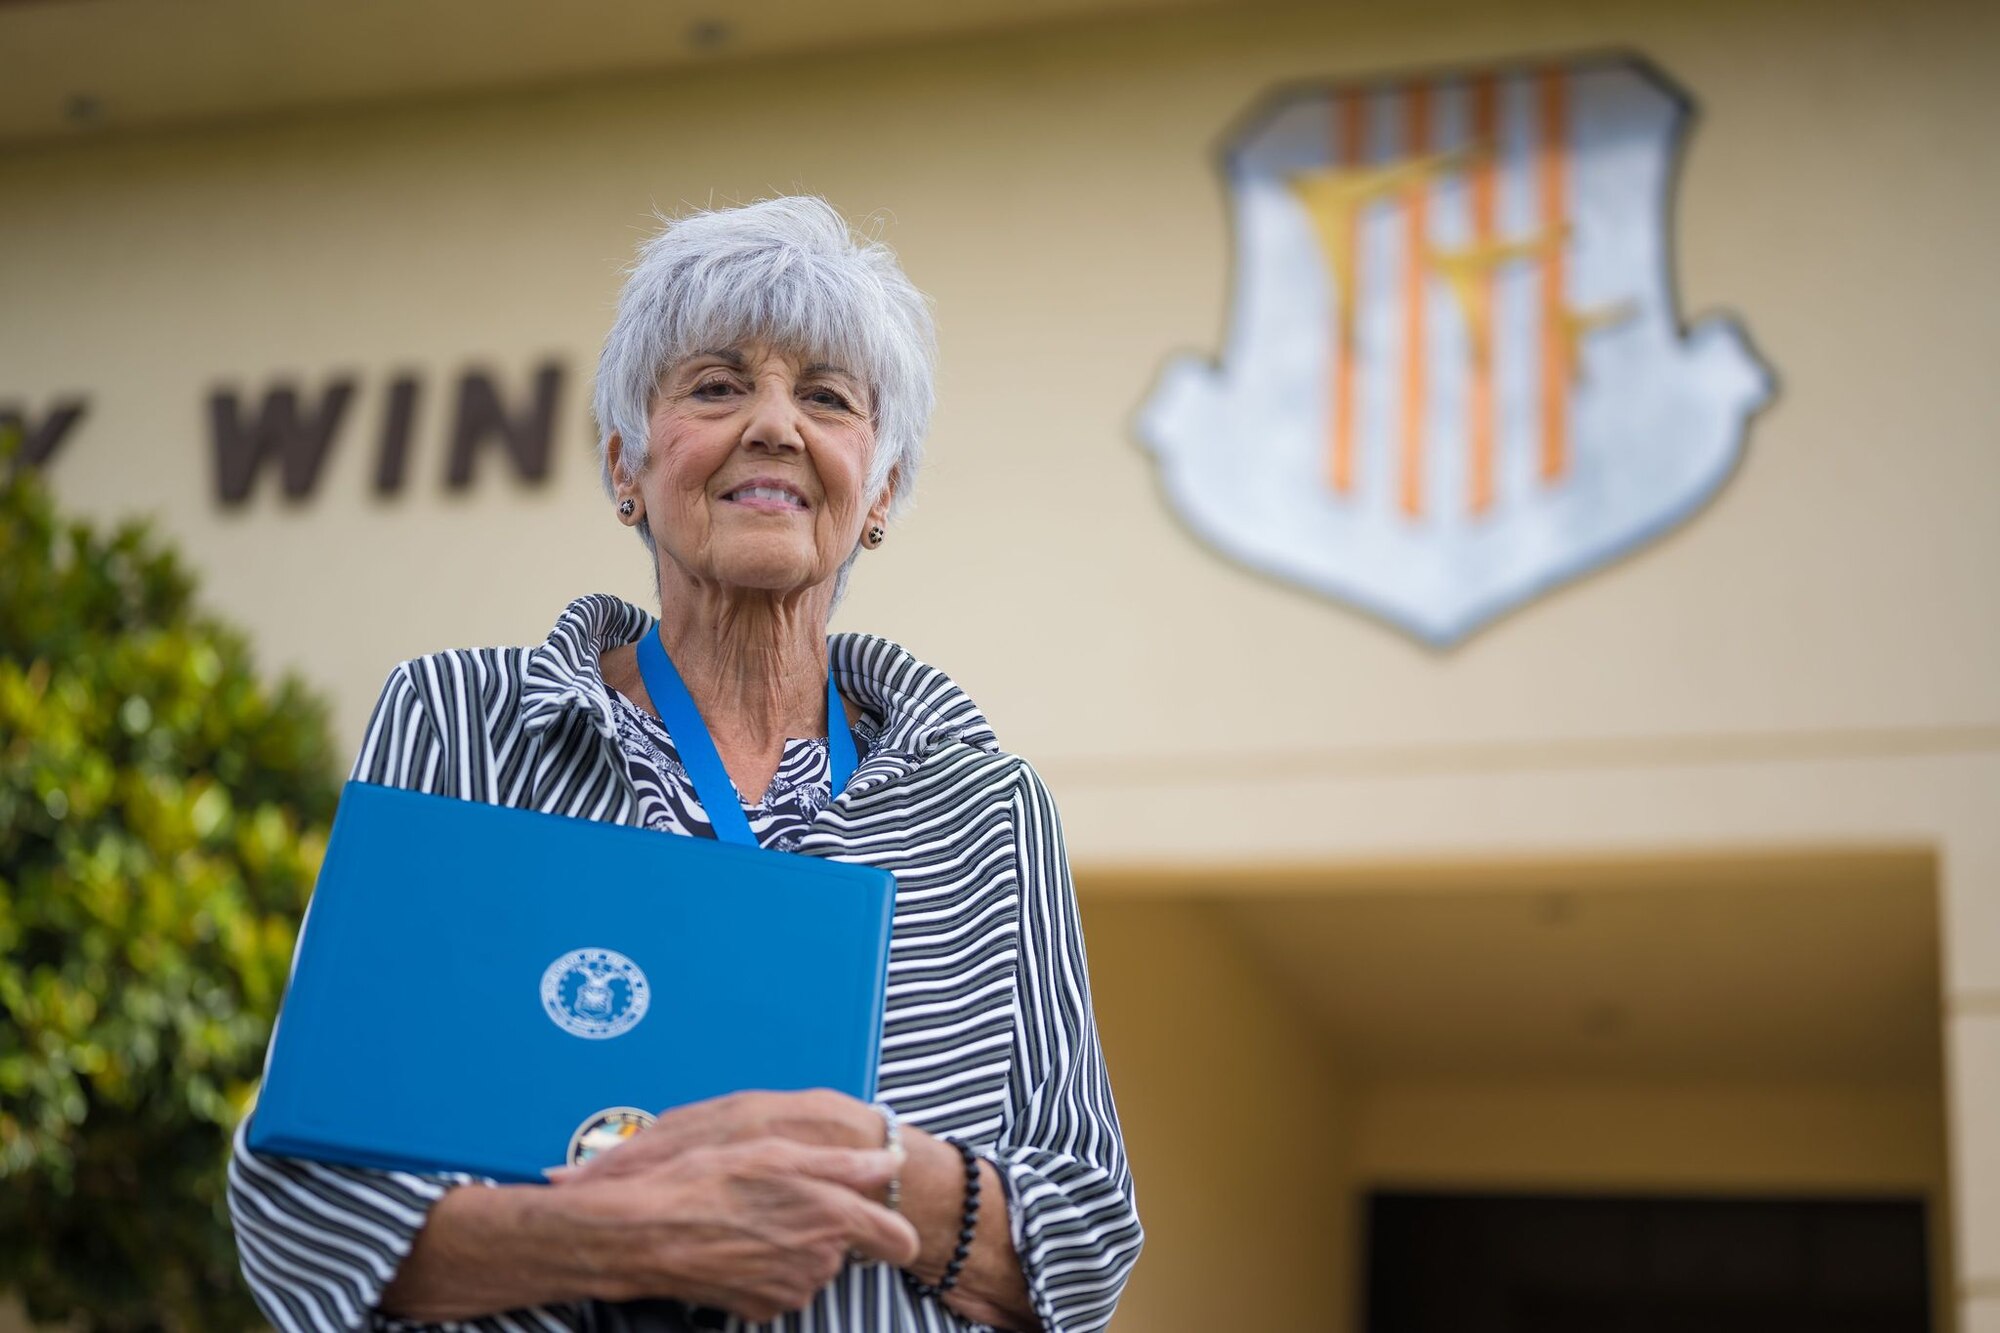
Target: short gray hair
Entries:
(787, 271)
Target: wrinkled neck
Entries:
(755, 662)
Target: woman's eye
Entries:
(713, 388)
(829, 398)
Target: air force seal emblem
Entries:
(596, 993)
(1455, 374)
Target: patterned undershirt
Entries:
(799, 790)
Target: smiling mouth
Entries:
(763, 495)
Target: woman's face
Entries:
(756, 468)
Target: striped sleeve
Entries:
(318, 1243)
(1075, 1224)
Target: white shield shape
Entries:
(1455, 374)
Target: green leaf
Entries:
(162, 811)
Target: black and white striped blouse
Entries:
(988, 1035)
(779, 819)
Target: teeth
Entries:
(768, 493)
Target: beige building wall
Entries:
(1236, 1124)
(1287, 1042)
(1811, 663)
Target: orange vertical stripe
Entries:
(1349, 151)
(1415, 353)
(1555, 309)
(1485, 139)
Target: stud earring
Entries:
(626, 508)
(875, 536)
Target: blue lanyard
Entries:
(712, 786)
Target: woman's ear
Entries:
(624, 479)
(878, 513)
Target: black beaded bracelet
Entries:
(967, 1223)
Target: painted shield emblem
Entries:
(1455, 374)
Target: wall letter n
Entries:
(481, 417)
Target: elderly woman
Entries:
(762, 401)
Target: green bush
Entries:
(162, 815)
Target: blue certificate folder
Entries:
(467, 980)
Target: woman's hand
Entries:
(755, 1228)
(820, 1117)
(990, 1289)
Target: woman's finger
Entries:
(861, 1175)
(635, 1154)
(815, 1117)
(873, 1232)
(865, 1171)
(678, 1129)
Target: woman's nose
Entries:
(774, 419)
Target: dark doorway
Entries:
(1464, 1263)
